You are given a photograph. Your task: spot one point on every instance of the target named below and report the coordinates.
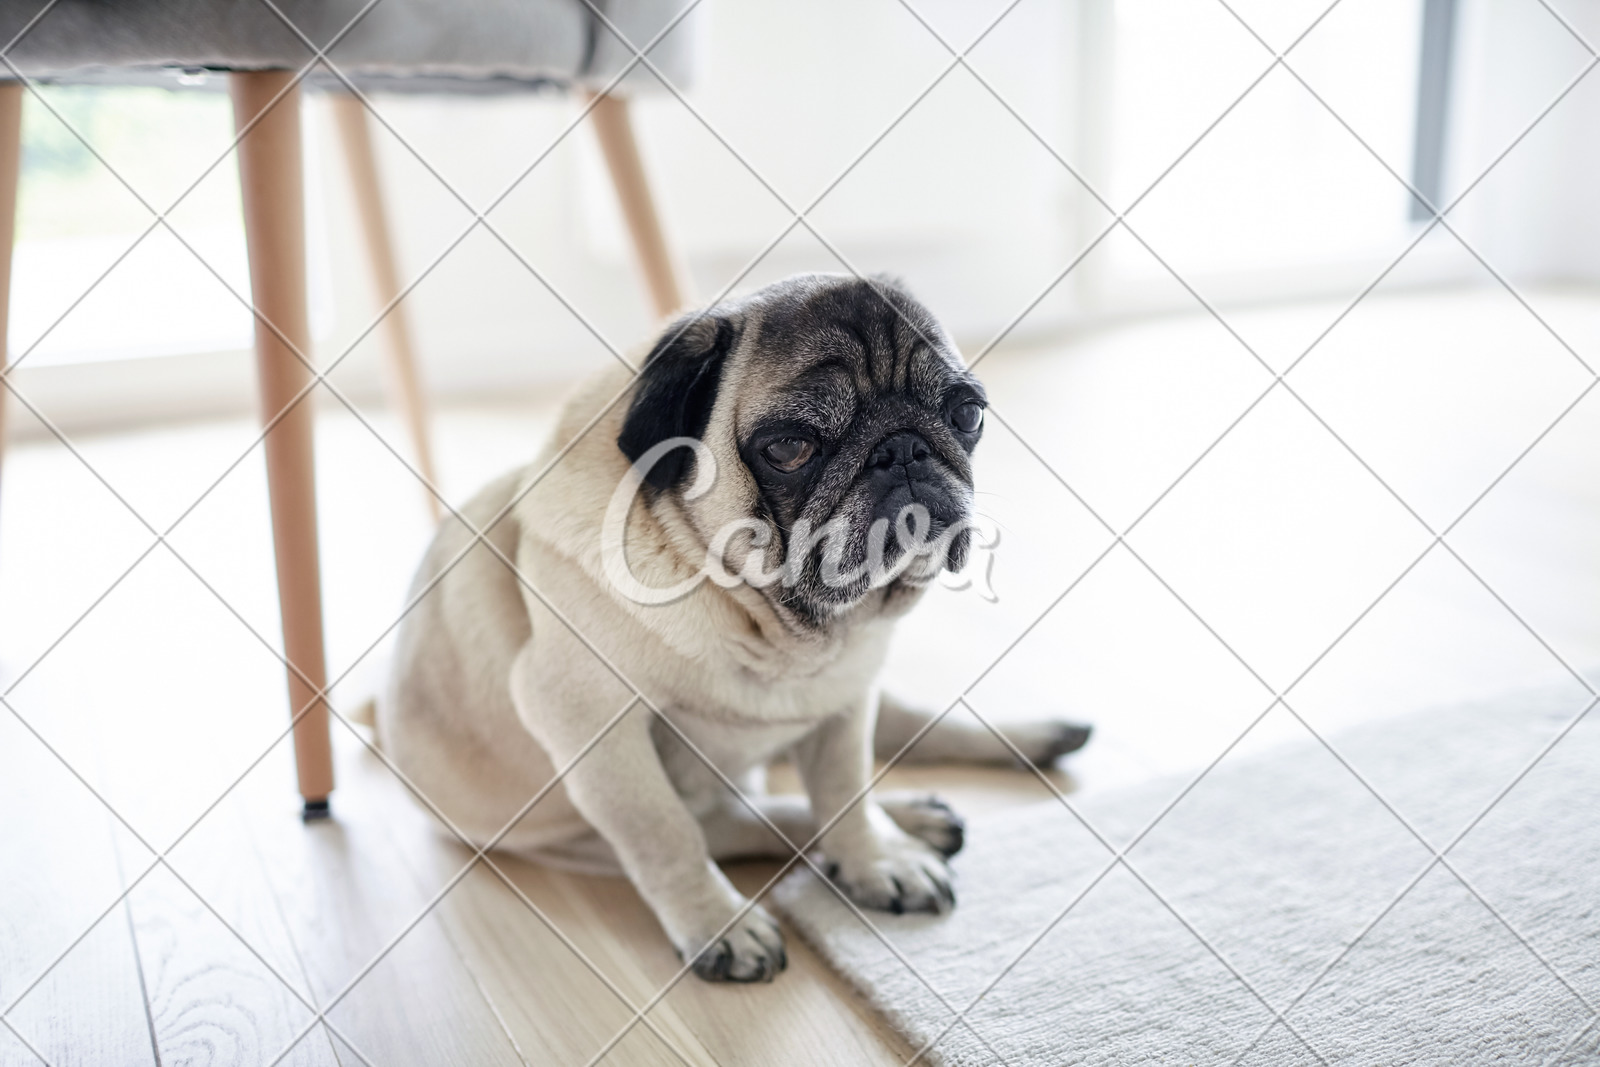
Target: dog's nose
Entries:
(899, 450)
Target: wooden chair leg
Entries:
(274, 217)
(405, 386)
(667, 281)
(10, 168)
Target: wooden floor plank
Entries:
(346, 894)
(210, 964)
(553, 1007)
(211, 1000)
(90, 1009)
(559, 1009)
(708, 1022)
(60, 874)
(14, 1053)
(224, 865)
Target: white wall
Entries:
(1537, 216)
(958, 198)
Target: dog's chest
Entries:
(739, 697)
(731, 747)
(740, 719)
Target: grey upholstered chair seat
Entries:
(406, 45)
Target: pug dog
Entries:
(692, 581)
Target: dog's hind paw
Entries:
(1043, 742)
(751, 950)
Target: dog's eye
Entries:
(789, 454)
(967, 417)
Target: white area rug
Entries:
(1279, 862)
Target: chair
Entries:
(455, 46)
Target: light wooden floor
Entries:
(162, 697)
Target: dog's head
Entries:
(841, 422)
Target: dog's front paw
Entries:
(927, 818)
(901, 875)
(751, 950)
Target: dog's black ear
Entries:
(676, 391)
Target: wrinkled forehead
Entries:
(818, 360)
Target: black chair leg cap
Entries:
(316, 810)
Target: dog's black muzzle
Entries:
(903, 471)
